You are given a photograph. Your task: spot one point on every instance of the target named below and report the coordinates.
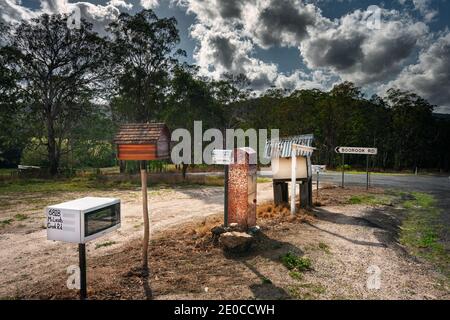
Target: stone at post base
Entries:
(236, 242)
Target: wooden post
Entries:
(145, 215)
(304, 194)
(317, 186)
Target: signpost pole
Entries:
(342, 170)
(293, 178)
(225, 207)
(317, 187)
(82, 262)
(367, 169)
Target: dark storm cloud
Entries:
(430, 77)
(339, 53)
(281, 17)
(224, 51)
(230, 8)
(388, 53)
(362, 54)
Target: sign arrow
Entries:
(356, 150)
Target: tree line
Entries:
(64, 91)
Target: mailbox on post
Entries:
(82, 220)
(242, 188)
(280, 151)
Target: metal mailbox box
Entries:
(82, 220)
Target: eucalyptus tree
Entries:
(60, 69)
(145, 51)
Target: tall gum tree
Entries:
(60, 69)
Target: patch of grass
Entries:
(214, 181)
(63, 185)
(370, 199)
(5, 222)
(315, 288)
(293, 262)
(296, 275)
(421, 230)
(104, 244)
(20, 217)
(324, 247)
(307, 291)
(265, 280)
(263, 180)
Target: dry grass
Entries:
(269, 211)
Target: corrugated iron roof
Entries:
(139, 133)
(282, 148)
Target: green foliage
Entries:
(104, 244)
(423, 232)
(265, 280)
(324, 247)
(293, 262)
(296, 275)
(5, 222)
(370, 199)
(20, 217)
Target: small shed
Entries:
(143, 141)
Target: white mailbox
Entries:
(82, 220)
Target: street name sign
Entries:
(356, 150)
(318, 168)
(222, 157)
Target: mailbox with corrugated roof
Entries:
(280, 153)
(143, 141)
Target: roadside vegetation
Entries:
(421, 230)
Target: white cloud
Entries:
(149, 4)
(120, 4)
(12, 10)
(99, 15)
(430, 76)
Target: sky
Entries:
(297, 44)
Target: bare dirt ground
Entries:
(342, 241)
(27, 257)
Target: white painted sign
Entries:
(222, 157)
(318, 168)
(356, 150)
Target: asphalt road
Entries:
(439, 185)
